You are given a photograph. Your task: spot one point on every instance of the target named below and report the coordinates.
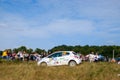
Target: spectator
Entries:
(107, 58)
(4, 55)
(9, 55)
(20, 55)
(13, 56)
(0, 54)
(96, 58)
(32, 57)
(26, 56)
(91, 57)
(118, 62)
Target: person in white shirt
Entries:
(91, 57)
(20, 55)
(118, 62)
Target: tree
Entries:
(39, 51)
(15, 50)
(29, 51)
(22, 48)
(1, 53)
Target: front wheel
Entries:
(72, 63)
(43, 64)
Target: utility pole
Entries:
(113, 59)
(113, 54)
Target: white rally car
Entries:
(60, 58)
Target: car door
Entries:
(59, 58)
(54, 59)
(62, 58)
(65, 58)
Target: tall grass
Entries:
(84, 71)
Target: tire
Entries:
(72, 63)
(43, 64)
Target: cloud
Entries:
(48, 19)
(62, 27)
(68, 27)
(16, 1)
(11, 25)
(101, 9)
(17, 25)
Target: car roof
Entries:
(63, 51)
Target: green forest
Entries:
(103, 50)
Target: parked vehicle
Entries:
(117, 59)
(60, 58)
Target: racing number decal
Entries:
(64, 53)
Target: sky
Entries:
(45, 24)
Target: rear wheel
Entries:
(72, 63)
(43, 64)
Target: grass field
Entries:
(84, 71)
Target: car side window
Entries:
(65, 53)
(74, 53)
(58, 54)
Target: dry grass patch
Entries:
(85, 71)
